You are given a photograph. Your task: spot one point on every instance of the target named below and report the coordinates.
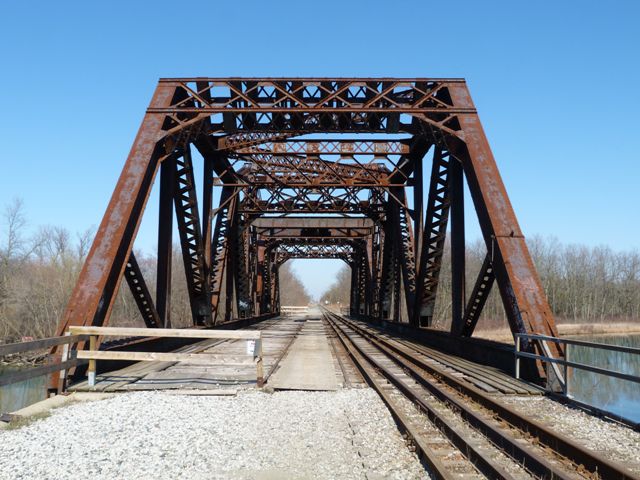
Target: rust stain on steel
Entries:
(83, 303)
(336, 197)
(504, 229)
(524, 275)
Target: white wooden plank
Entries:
(166, 332)
(195, 358)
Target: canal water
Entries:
(611, 394)
(18, 395)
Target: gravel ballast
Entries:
(613, 441)
(343, 435)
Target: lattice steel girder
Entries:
(312, 170)
(403, 235)
(313, 227)
(140, 293)
(238, 95)
(193, 250)
(292, 106)
(247, 139)
(319, 200)
(327, 147)
(434, 235)
(220, 246)
(286, 249)
(478, 298)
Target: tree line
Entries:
(583, 283)
(38, 272)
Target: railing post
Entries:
(91, 372)
(566, 370)
(65, 356)
(518, 356)
(259, 372)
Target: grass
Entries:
(564, 329)
(19, 421)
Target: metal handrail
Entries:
(566, 363)
(44, 343)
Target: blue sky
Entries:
(556, 85)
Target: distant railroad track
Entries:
(458, 430)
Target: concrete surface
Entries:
(308, 364)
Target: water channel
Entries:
(18, 395)
(614, 395)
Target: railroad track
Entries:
(458, 430)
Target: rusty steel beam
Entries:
(405, 243)
(523, 297)
(313, 227)
(478, 298)
(220, 246)
(241, 270)
(165, 241)
(247, 139)
(140, 292)
(193, 249)
(245, 95)
(312, 169)
(316, 233)
(458, 280)
(93, 295)
(312, 148)
(434, 236)
(312, 222)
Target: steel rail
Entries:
(368, 371)
(561, 446)
(558, 442)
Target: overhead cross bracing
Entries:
(322, 153)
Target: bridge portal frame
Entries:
(256, 123)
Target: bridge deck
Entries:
(308, 364)
(298, 354)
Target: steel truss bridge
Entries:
(366, 170)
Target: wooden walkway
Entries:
(309, 364)
(277, 335)
(298, 352)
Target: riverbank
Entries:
(568, 329)
(29, 359)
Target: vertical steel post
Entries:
(566, 370)
(456, 195)
(165, 241)
(418, 208)
(207, 205)
(259, 368)
(91, 372)
(517, 356)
